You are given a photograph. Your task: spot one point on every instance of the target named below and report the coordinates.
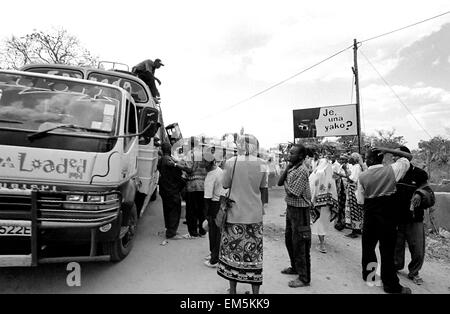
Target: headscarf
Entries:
(357, 157)
(248, 144)
(357, 168)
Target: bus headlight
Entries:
(75, 198)
(95, 198)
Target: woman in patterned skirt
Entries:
(353, 210)
(241, 247)
(324, 199)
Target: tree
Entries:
(385, 138)
(348, 143)
(434, 152)
(55, 46)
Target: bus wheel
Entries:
(121, 247)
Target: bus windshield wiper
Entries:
(62, 126)
(11, 121)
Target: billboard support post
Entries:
(358, 104)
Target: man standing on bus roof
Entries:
(146, 72)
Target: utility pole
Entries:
(358, 104)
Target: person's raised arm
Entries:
(300, 182)
(284, 175)
(392, 151)
(401, 165)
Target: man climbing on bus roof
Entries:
(146, 72)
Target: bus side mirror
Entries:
(148, 122)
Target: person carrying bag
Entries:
(241, 217)
(225, 204)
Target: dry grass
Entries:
(438, 248)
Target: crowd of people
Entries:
(383, 203)
(380, 203)
(236, 248)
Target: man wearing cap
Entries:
(411, 227)
(376, 191)
(146, 72)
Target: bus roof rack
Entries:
(102, 65)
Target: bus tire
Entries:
(121, 247)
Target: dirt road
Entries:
(178, 267)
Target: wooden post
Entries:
(358, 109)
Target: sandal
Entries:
(297, 283)
(416, 279)
(189, 237)
(289, 271)
(322, 249)
(352, 235)
(175, 237)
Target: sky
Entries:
(219, 53)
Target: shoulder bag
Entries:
(225, 203)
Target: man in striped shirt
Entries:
(298, 231)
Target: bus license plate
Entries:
(14, 231)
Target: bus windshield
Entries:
(35, 103)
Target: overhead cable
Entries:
(405, 27)
(396, 95)
(281, 82)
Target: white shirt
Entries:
(336, 166)
(400, 168)
(213, 185)
(355, 171)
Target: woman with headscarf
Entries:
(324, 199)
(353, 210)
(241, 246)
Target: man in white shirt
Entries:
(376, 189)
(213, 191)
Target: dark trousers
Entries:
(298, 241)
(195, 215)
(214, 233)
(379, 225)
(149, 79)
(413, 234)
(340, 221)
(172, 212)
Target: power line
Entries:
(396, 95)
(318, 63)
(405, 27)
(280, 83)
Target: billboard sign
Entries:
(325, 121)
